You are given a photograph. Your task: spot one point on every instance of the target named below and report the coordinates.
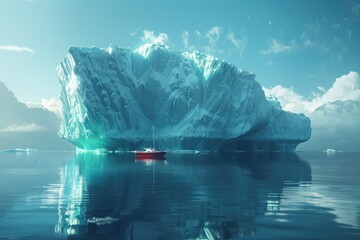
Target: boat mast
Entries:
(153, 130)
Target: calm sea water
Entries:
(200, 196)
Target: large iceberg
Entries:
(112, 97)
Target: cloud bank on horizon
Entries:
(346, 87)
(335, 113)
(28, 127)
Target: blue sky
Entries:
(301, 44)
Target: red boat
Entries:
(150, 153)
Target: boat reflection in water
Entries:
(185, 197)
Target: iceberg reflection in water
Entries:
(185, 197)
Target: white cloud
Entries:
(52, 105)
(276, 47)
(320, 88)
(133, 32)
(213, 35)
(17, 128)
(32, 104)
(308, 43)
(288, 98)
(150, 37)
(15, 48)
(185, 39)
(239, 43)
(346, 87)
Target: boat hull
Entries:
(150, 155)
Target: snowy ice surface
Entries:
(110, 98)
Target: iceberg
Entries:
(111, 98)
(330, 151)
(21, 150)
(102, 221)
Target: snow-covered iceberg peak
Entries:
(111, 98)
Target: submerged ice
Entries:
(112, 97)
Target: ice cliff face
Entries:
(112, 97)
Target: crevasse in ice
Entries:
(112, 97)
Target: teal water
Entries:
(200, 196)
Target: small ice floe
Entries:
(102, 221)
(330, 151)
(98, 151)
(21, 150)
(185, 151)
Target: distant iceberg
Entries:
(330, 151)
(21, 150)
(111, 98)
(102, 221)
(98, 151)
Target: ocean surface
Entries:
(51, 195)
